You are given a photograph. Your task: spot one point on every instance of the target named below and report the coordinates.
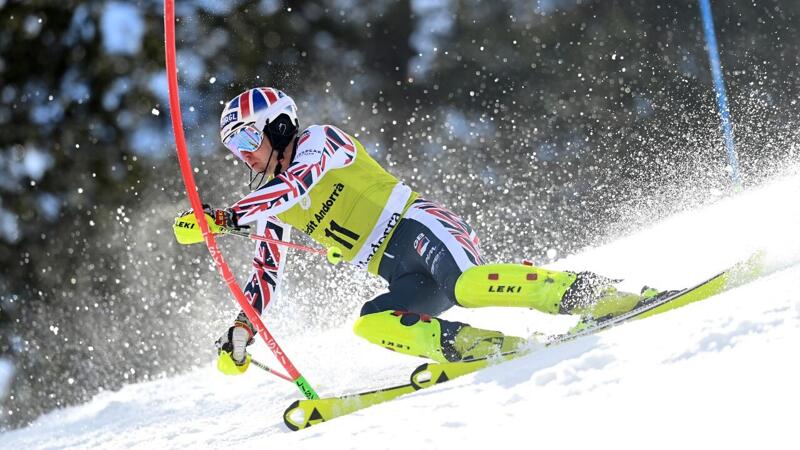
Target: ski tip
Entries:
(287, 416)
(420, 377)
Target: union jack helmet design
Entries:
(256, 107)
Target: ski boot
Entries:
(613, 303)
(428, 337)
(473, 343)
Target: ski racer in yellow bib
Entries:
(324, 183)
(335, 193)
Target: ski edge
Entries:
(428, 375)
(736, 275)
(314, 411)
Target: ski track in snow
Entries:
(722, 373)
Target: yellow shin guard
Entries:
(408, 333)
(420, 335)
(513, 285)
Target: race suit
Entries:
(337, 194)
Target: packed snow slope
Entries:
(723, 373)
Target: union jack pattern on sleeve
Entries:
(285, 190)
(267, 262)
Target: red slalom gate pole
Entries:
(194, 199)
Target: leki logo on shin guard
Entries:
(500, 288)
(392, 345)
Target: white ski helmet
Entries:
(260, 107)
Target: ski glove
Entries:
(226, 218)
(188, 232)
(233, 358)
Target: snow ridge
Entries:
(721, 373)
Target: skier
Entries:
(323, 182)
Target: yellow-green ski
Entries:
(428, 375)
(305, 413)
(739, 274)
(431, 374)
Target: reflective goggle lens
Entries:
(246, 139)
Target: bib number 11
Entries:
(340, 234)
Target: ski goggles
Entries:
(245, 139)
